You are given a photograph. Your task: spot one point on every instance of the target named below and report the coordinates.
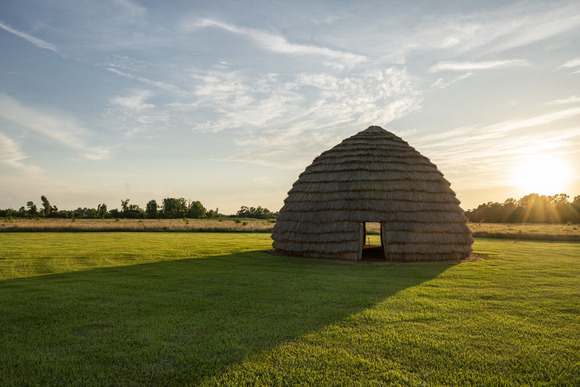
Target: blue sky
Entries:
(227, 102)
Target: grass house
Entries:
(373, 176)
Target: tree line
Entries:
(169, 208)
(532, 208)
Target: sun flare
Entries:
(544, 175)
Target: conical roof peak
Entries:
(376, 132)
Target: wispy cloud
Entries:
(11, 154)
(135, 102)
(288, 123)
(528, 23)
(442, 83)
(465, 34)
(59, 129)
(279, 44)
(31, 39)
(572, 63)
(159, 84)
(542, 119)
(473, 66)
(468, 136)
(565, 101)
(478, 157)
(126, 63)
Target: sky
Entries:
(227, 102)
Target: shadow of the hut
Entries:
(186, 319)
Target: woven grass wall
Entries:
(373, 176)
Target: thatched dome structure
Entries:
(373, 176)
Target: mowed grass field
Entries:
(215, 309)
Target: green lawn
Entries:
(194, 308)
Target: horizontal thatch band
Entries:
(373, 216)
(374, 167)
(337, 247)
(426, 238)
(372, 156)
(353, 246)
(384, 206)
(362, 175)
(337, 227)
(388, 142)
(334, 237)
(418, 257)
(371, 186)
(401, 156)
(390, 238)
(425, 197)
(370, 145)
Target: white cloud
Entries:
(126, 63)
(565, 101)
(534, 23)
(480, 157)
(134, 102)
(572, 63)
(474, 35)
(159, 84)
(279, 44)
(442, 83)
(472, 66)
(377, 96)
(469, 136)
(31, 39)
(11, 155)
(542, 119)
(296, 119)
(59, 129)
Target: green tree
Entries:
(174, 208)
(134, 212)
(46, 205)
(256, 213)
(196, 210)
(151, 209)
(213, 213)
(125, 206)
(102, 211)
(32, 209)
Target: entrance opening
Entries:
(372, 243)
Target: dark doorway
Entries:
(372, 243)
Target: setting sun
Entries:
(544, 175)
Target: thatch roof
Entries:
(373, 176)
